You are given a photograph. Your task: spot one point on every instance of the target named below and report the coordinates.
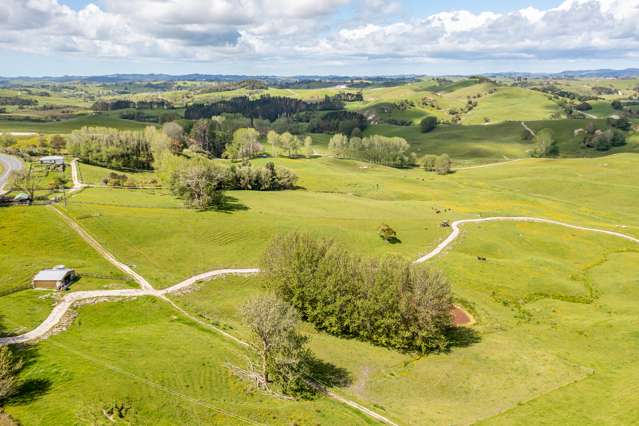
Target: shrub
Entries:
(428, 124)
(389, 302)
(443, 164)
(387, 233)
(429, 163)
(584, 106)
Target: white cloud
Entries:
(313, 31)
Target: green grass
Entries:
(67, 126)
(540, 299)
(36, 238)
(512, 104)
(93, 175)
(348, 201)
(110, 354)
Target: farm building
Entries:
(53, 160)
(56, 278)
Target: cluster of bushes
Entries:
(111, 148)
(440, 164)
(388, 302)
(602, 140)
(201, 183)
(558, 92)
(374, 149)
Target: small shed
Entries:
(57, 278)
(52, 160)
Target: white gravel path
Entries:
(456, 231)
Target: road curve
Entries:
(456, 231)
(10, 164)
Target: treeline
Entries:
(373, 149)
(111, 148)
(338, 121)
(388, 302)
(116, 104)
(16, 100)
(265, 107)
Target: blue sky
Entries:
(287, 37)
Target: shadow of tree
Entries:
(31, 388)
(231, 204)
(327, 374)
(462, 337)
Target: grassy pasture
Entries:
(110, 355)
(348, 201)
(93, 175)
(512, 104)
(67, 126)
(35, 238)
(537, 282)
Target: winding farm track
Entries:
(10, 164)
(146, 289)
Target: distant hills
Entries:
(601, 73)
(124, 78)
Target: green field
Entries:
(67, 126)
(511, 104)
(556, 335)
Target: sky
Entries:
(315, 37)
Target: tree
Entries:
(584, 106)
(294, 147)
(273, 139)
(58, 143)
(59, 182)
(10, 365)
(281, 349)
(429, 163)
(200, 134)
(26, 181)
(443, 164)
(245, 145)
(545, 144)
(201, 185)
(428, 124)
(387, 233)
(177, 139)
(338, 145)
(308, 146)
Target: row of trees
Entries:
(111, 148)
(389, 302)
(291, 144)
(374, 149)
